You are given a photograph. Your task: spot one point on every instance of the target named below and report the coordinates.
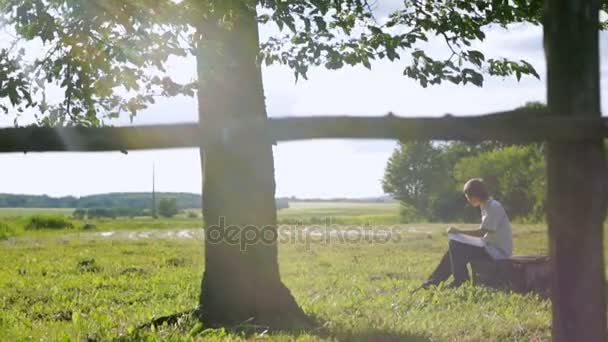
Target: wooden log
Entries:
(515, 126)
(41, 139)
(521, 274)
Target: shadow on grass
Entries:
(373, 335)
(186, 324)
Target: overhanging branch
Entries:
(514, 126)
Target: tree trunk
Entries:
(241, 281)
(576, 175)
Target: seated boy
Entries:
(495, 231)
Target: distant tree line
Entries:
(380, 199)
(34, 201)
(127, 202)
(115, 204)
(113, 200)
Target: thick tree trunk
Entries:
(241, 280)
(576, 175)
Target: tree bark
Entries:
(241, 281)
(576, 175)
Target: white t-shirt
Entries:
(498, 239)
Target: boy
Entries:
(495, 231)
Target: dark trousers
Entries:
(455, 261)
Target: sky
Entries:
(311, 169)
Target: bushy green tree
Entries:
(79, 214)
(449, 204)
(413, 174)
(514, 175)
(421, 176)
(429, 178)
(167, 207)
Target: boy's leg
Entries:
(460, 255)
(442, 272)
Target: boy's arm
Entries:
(477, 232)
(489, 222)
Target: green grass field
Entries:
(300, 213)
(340, 213)
(357, 212)
(20, 212)
(74, 286)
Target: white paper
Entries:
(467, 239)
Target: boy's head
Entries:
(475, 191)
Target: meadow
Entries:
(22, 212)
(101, 284)
(13, 220)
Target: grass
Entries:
(7, 230)
(20, 212)
(303, 213)
(74, 285)
(57, 287)
(340, 213)
(15, 225)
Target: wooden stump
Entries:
(520, 274)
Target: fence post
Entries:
(576, 174)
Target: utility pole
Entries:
(153, 192)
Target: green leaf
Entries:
(12, 92)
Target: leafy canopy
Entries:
(103, 58)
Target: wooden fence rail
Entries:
(514, 126)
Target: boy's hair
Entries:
(476, 188)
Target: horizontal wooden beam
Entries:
(41, 139)
(507, 126)
(514, 126)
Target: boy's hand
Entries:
(452, 230)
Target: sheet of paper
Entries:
(467, 239)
